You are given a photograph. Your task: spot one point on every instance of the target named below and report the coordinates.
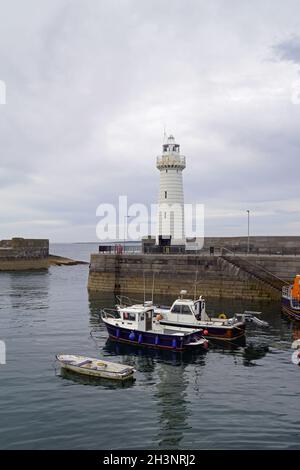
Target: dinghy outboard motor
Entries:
(250, 317)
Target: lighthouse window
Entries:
(166, 194)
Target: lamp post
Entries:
(248, 243)
(126, 217)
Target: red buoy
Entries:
(205, 332)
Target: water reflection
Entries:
(26, 296)
(250, 350)
(295, 330)
(171, 399)
(143, 357)
(29, 290)
(171, 375)
(94, 381)
(166, 370)
(252, 353)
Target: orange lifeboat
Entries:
(296, 288)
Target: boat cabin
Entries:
(186, 310)
(137, 317)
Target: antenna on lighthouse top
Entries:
(165, 135)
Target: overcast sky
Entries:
(91, 84)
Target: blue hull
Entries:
(289, 310)
(149, 339)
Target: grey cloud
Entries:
(91, 84)
(289, 49)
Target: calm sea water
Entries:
(226, 398)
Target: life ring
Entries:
(223, 316)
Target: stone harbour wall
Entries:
(214, 276)
(23, 254)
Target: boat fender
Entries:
(223, 316)
(118, 333)
(140, 338)
(132, 336)
(174, 343)
(205, 332)
(157, 340)
(296, 358)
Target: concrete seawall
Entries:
(215, 276)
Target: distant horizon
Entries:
(140, 241)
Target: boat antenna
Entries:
(195, 286)
(153, 276)
(144, 287)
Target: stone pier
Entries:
(20, 254)
(214, 276)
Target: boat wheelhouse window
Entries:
(176, 309)
(129, 316)
(186, 310)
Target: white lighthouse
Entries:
(170, 221)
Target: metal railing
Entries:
(125, 301)
(286, 290)
(295, 303)
(176, 161)
(110, 313)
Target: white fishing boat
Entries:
(94, 367)
(192, 314)
(136, 325)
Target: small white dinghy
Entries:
(94, 367)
